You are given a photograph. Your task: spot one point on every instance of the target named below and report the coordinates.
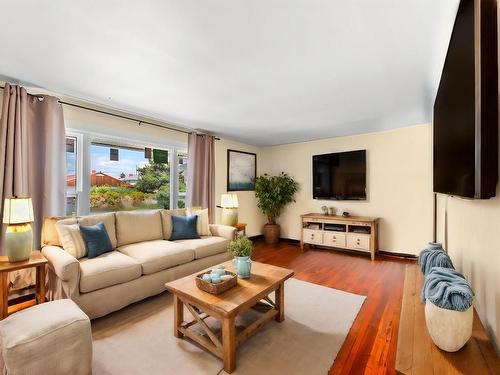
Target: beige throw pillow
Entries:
(71, 239)
(202, 224)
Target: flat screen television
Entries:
(466, 107)
(340, 176)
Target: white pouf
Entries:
(450, 330)
(50, 338)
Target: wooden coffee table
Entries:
(265, 280)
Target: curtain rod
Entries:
(140, 122)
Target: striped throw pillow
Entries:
(71, 239)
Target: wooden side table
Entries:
(241, 227)
(36, 260)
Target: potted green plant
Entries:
(273, 193)
(242, 248)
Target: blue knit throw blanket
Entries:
(447, 289)
(429, 258)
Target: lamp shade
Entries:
(229, 201)
(17, 211)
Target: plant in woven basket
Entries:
(241, 247)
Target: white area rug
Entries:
(139, 339)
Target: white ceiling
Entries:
(261, 71)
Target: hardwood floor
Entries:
(370, 346)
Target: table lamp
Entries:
(18, 214)
(229, 204)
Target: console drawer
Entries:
(358, 242)
(313, 236)
(334, 239)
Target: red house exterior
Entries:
(99, 179)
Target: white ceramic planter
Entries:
(449, 329)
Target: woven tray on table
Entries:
(216, 288)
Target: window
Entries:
(182, 179)
(128, 178)
(72, 180)
(116, 174)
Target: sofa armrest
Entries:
(223, 231)
(65, 266)
(64, 274)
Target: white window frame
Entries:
(79, 159)
(177, 177)
(78, 166)
(84, 167)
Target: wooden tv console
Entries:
(350, 232)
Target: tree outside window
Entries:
(122, 178)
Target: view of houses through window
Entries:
(126, 178)
(123, 178)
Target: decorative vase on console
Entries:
(448, 308)
(242, 249)
(449, 329)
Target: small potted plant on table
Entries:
(242, 249)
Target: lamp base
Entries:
(18, 242)
(229, 216)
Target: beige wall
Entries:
(473, 242)
(399, 183)
(102, 125)
(248, 211)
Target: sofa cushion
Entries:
(166, 220)
(109, 222)
(206, 246)
(106, 270)
(49, 231)
(158, 255)
(138, 226)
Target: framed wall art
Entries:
(241, 170)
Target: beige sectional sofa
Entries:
(142, 261)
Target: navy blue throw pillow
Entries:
(184, 228)
(96, 240)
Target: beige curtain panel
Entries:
(201, 173)
(32, 155)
